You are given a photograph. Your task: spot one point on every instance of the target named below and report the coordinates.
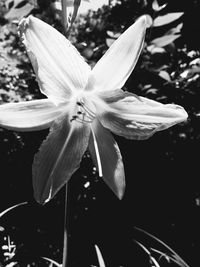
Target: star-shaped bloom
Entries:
(82, 106)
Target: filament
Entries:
(90, 112)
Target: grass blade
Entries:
(176, 258)
(52, 262)
(11, 208)
(100, 257)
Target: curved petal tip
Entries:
(178, 111)
(143, 20)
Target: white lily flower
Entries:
(82, 105)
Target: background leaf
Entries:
(17, 9)
(164, 40)
(166, 19)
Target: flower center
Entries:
(84, 114)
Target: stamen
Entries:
(84, 114)
(73, 118)
(83, 120)
(90, 112)
(77, 118)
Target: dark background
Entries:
(162, 173)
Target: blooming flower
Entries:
(82, 105)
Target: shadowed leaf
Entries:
(166, 19)
(18, 9)
(164, 40)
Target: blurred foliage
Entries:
(165, 166)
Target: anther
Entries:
(84, 114)
(73, 118)
(79, 103)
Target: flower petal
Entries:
(114, 68)
(139, 118)
(111, 159)
(59, 157)
(29, 115)
(59, 67)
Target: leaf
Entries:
(113, 35)
(164, 40)
(109, 41)
(166, 19)
(165, 75)
(17, 9)
(152, 91)
(195, 61)
(188, 73)
(155, 50)
(1, 229)
(175, 30)
(11, 264)
(156, 6)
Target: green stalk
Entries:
(64, 15)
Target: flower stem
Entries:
(65, 243)
(68, 17)
(64, 15)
